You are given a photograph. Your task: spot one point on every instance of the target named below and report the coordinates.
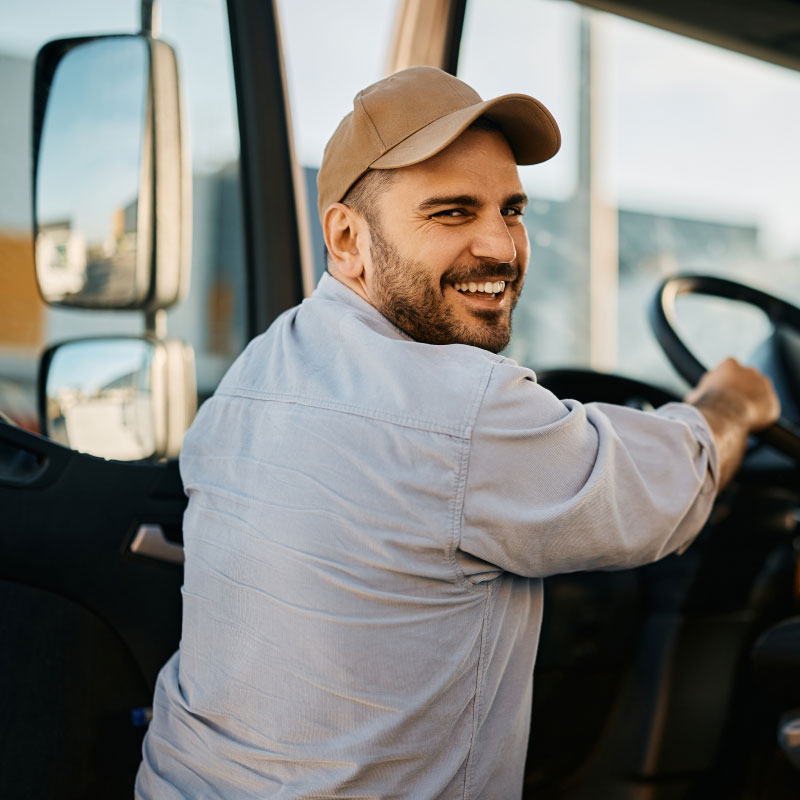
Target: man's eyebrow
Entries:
(470, 200)
(450, 200)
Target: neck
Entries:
(355, 284)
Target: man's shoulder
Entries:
(339, 355)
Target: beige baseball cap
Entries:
(412, 115)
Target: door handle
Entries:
(150, 541)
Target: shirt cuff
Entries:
(702, 432)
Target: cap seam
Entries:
(371, 121)
(417, 130)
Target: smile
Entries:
(491, 288)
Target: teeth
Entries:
(487, 288)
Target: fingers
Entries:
(742, 388)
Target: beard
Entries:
(406, 294)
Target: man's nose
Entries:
(492, 240)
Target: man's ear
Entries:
(346, 238)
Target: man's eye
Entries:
(449, 213)
(512, 211)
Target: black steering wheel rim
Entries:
(784, 434)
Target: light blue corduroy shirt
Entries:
(369, 521)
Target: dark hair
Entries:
(363, 194)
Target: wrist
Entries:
(730, 407)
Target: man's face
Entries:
(448, 248)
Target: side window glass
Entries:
(680, 153)
(213, 317)
(706, 176)
(351, 39)
(22, 313)
(551, 318)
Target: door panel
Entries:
(85, 624)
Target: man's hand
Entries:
(736, 401)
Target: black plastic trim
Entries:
(272, 245)
(455, 28)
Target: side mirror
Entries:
(112, 189)
(123, 398)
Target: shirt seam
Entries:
(478, 689)
(457, 432)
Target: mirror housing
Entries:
(123, 398)
(112, 182)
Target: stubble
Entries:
(404, 293)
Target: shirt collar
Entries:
(329, 288)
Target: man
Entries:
(375, 494)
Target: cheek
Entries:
(435, 255)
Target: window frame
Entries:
(277, 239)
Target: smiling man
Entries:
(445, 250)
(375, 493)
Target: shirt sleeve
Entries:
(558, 486)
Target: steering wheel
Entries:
(784, 434)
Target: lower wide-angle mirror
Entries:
(122, 398)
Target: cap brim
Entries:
(528, 126)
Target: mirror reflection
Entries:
(100, 398)
(88, 176)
